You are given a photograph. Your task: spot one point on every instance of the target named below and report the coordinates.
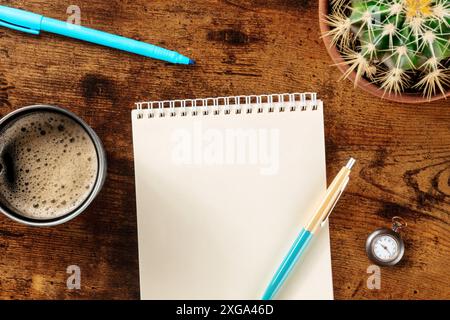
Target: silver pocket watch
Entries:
(385, 246)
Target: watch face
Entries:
(385, 247)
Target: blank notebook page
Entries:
(221, 198)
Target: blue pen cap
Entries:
(20, 20)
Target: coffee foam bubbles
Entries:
(48, 165)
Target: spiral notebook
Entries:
(223, 187)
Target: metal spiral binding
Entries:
(286, 102)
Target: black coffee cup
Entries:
(10, 119)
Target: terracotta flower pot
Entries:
(363, 83)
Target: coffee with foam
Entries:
(48, 165)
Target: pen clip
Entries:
(335, 201)
(18, 28)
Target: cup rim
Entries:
(101, 172)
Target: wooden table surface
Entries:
(242, 47)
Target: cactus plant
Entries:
(399, 45)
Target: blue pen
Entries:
(332, 196)
(32, 23)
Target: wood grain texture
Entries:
(242, 47)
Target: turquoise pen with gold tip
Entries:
(319, 219)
